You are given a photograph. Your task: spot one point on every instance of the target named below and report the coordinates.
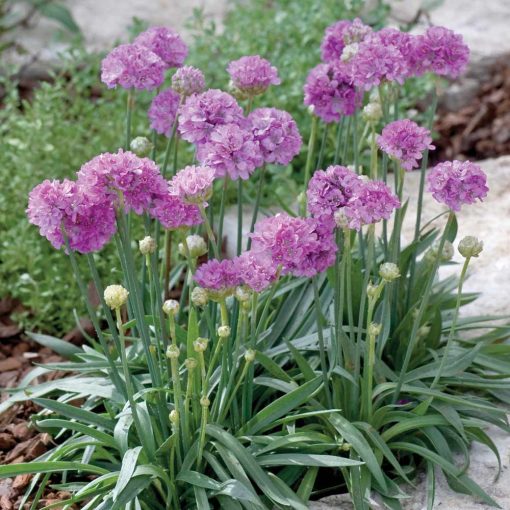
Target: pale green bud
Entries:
(200, 344)
(374, 329)
(249, 355)
(470, 246)
(199, 296)
(389, 271)
(115, 296)
(171, 307)
(190, 363)
(196, 246)
(147, 245)
(224, 332)
(172, 352)
(205, 402)
(141, 146)
(174, 416)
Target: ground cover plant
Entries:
(325, 356)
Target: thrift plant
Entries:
(325, 356)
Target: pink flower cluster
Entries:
(405, 141)
(360, 201)
(330, 90)
(138, 180)
(142, 65)
(166, 44)
(255, 270)
(277, 134)
(173, 213)
(201, 113)
(132, 66)
(252, 74)
(455, 183)
(231, 151)
(193, 184)
(341, 34)
(188, 80)
(300, 246)
(57, 207)
(163, 111)
(218, 275)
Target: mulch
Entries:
(480, 129)
(19, 440)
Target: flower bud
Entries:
(205, 402)
(171, 307)
(199, 296)
(224, 332)
(115, 296)
(372, 112)
(389, 271)
(470, 246)
(190, 363)
(196, 246)
(423, 331)
(345, 447)
(301, 198)
(374, 329)
(141, 146)
(349, 51)
(172, 352)
(372, 290)
(174, 416)
(147, 245)
(242, 294)
(249, 355)
(341, 219)
(200, 344)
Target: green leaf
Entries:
(304, 459)
(65, 349)
(281, 407)
(198, 479)
(60, 13)
(272, 367)
(129, 463)
(75, 413)
(11, 470)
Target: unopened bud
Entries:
(242, 294)
(349, 51)
(141, 146)
(224, 331)
(174, 416)
(147, 245)
(199, 296)
(374, 329)
(372, 112)
(423, 331)
(172, 352)
(200, 344)
(171, 307)
(190, 363)
(372, 290)
(205, 402)
(446, 254)
(470, 246)
(341, 219)
(345, 447)
(196, 246)
(249, 355)
(389, 271)
(115, 296)
(301, 198)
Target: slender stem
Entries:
(210, 233)
(222, 215)
(421, 310)
(130, 103)
(234, 392)
(320, 334)
(257, 203)
(451, 335)
(309, 157)
(339, 133)
(323, 146)
(168, 262)
(239, 216)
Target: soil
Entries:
(19, 440)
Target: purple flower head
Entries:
(201, 113)
(163, 110)
(219, 278)
(166, 44)
(54, 206)
(173, 213)
(330, 91)
(442, 51)
(324, 253)
(331, 190)
(294, 244)
(193, 184)
(378, 59)
(231, 151)
(188, 80)
(137, 179)
(252, 75)
(405, 141)
(457, 182)
(341, 34)
(372, 202)
(132, 66)
(277, 134)
(255, 270)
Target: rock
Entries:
(460, 94)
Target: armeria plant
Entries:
(325, 356)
